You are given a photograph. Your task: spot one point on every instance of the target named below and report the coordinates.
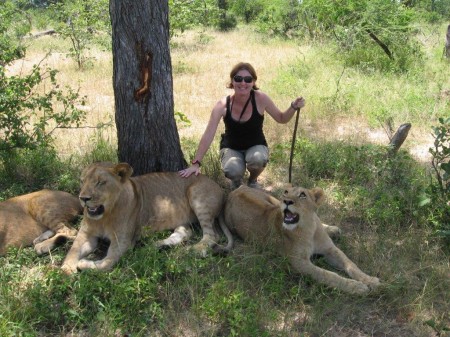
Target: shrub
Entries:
(187, 14)
(437, 196)
(81, 22)
(28, 117)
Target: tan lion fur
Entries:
(118, 207)
(41, 218)
(294, 227)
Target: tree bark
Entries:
(399, 137)
(143, 88)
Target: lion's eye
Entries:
(302, 195)
(101, 183)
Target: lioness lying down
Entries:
(117, 206)
(41, 218)
(294, 225)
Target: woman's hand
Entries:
(188, 172)
(298, 103)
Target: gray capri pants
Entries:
(234, 162)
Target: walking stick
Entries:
(293, 144)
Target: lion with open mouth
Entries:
(293, 225)
(117, 207)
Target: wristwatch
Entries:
(196, 161)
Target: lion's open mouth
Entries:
(95, 211)
(290, 218)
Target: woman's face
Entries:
(243, 82)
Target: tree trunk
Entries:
(399, 137)
(222, 4)
(447, 43)
(143, 89)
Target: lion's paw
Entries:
(37, 240)
(43, 248)
(161, 245)
(86, 264)
(68, 269)
(373, 282)
(44, 236)
(201, 249)
(334, 232)
(359, 288)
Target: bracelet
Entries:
(292, 105)
(196, 161)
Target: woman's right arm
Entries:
(217, 113)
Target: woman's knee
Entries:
(233, 164)
(257, 159)
(234, 170)
(257, 163)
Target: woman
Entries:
(243, 145)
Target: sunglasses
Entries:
(247, 79)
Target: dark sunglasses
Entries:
(247, 79)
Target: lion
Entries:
(118, 207)
(293, 225)
(41, 218)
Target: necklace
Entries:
(245, 107)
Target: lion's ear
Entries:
(318, 195)
(123, 170)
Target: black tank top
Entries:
(243, 135)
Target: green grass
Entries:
(382, 189)
(246, 294)
(252, 292)
(334, 89)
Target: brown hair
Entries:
(243, 66)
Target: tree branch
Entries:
(380, 43)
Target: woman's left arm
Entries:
(268, 105)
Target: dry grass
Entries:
(95, 83)
(208, 66)
(201, 63)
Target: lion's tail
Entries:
(220, 249)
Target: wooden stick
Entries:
(293, 144)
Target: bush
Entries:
(32, 169)
(29, 116)
(27, 170)
(280, 18)
(248, 10)
(228, 22)
(188, 14)
(437, 196)
(81, 22)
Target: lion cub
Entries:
(41, 218)
(293, 223)
(118, 207)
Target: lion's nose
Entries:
(288, 202)
(84, 199)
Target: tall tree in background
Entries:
(143, 88)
